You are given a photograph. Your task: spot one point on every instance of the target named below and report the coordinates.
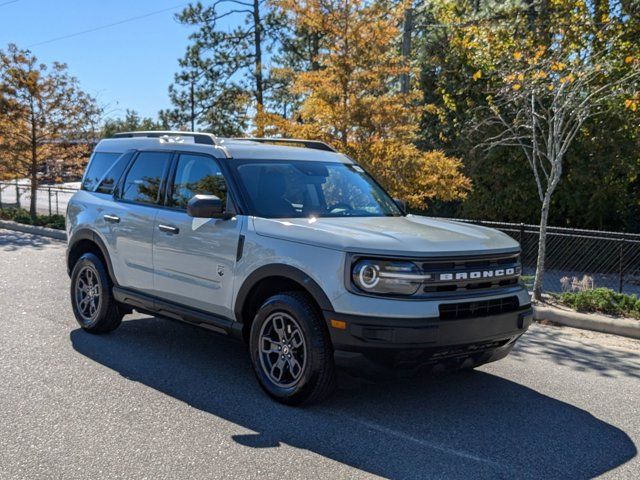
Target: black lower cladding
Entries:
(424, 340)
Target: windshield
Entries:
(290, 189)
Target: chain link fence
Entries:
(50, 200)
(578, 259)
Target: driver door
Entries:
(194, 258)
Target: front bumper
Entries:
(422, 341)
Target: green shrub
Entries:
(528, 280)
(603, 300)
(22, 216)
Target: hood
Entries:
(411, 235)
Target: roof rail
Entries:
(314, 144)
(203, 138)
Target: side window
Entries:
(98, 165)
(112, 176)
(142, 183)
(197, 174)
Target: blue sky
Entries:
(124, 66)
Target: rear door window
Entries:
(144, 179)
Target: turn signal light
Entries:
(339, 324)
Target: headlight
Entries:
(386, 276)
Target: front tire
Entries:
(94, 307)
(291, 351)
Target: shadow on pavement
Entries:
(472, 425)
(12, 240)
(580, 356)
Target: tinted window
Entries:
(112, 176)
(280, 189)
(98, 166)
(142, 183)
(196, 174)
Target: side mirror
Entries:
(402, 205)
(205, 206)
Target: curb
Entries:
(34, 230)
(588, 321)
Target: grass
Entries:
(602, 300)
(22, 216)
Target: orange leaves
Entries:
(477, 76)
(633, 103)
(351, 101)
(540, 51)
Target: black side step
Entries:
(163, 308)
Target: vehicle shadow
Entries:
(471, 425)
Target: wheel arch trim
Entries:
(280, 270)
(88, 234)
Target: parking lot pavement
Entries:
(158, 399)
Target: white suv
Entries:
(293, 248)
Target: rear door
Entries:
(194, 258)
(129, 220)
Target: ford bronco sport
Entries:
(293, 248)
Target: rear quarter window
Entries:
(99, 164)
(109, 179)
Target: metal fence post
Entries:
(57, 211)
(0, 196)
(521, 240)
(621, 265)
(18, 195)
(49, 192)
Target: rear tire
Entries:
(291, 350)
(94, 307)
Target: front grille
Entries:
(480, 308)
(455, 275)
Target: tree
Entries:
(203, 94)
(352, 99)
(545, 89)
(222, 70)
(454, 44)
(45, 115)
(131, 122)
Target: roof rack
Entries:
(203, 138)
(314, 144)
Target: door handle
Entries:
(112, 218)
(169, 229)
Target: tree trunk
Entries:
(192, 105)
(406, 48)
(257, 38)
(542, 247)
(315, 51)
(33, 170)
(18, 194)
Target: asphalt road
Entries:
(158, 399)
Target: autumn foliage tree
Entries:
(44, 115)
(542, 87)
(352, 99)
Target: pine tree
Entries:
(222, 79)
